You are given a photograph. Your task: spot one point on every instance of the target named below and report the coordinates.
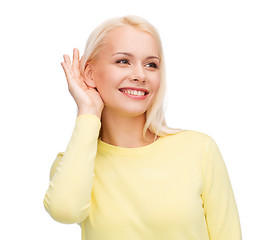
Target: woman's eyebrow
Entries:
(151, 57)
(124, 53)
(131, 55)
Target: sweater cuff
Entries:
(88, 121)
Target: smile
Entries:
(135, 91)
(136, 94)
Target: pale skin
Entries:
(129, 58)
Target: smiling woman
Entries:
(125, 174)
(125, 63)
(155, 119)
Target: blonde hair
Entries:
(155, 118)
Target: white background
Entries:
(216, 55)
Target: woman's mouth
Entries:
(134, 93)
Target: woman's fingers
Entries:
(67, 60)
(67, 64)
(81, 60)
(76, 62)
(75, 56)
(67, 72)
(72, 69)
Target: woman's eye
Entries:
(152, 64)
(123, 61)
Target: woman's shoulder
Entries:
(191, 136)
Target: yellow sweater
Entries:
(176, 188)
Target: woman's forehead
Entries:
(130, 39)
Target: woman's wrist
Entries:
(88, 111)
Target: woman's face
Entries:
(128, 61)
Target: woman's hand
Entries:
(87, 98)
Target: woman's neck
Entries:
(124, 131)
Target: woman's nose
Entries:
(138, 74)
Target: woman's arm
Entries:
(68, 197)
(219, 203)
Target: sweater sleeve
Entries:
(219, 203)
(68, 197)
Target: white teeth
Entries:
(134, 92)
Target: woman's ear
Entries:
(88, 76)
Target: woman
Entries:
(125, 174)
